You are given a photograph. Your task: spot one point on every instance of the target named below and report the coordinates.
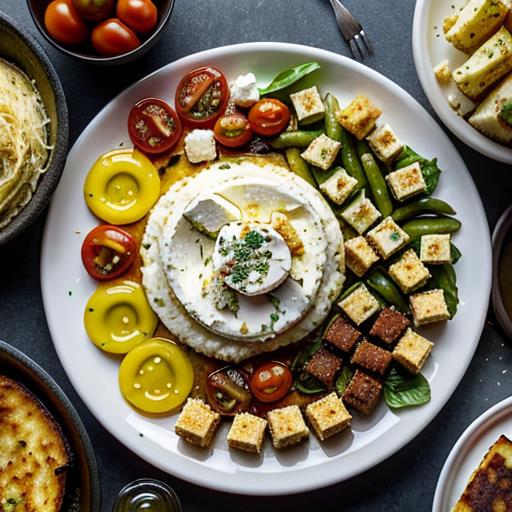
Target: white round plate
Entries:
(469, 451)
(430, 48)
(66, 288)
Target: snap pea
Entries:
(297, 139)
(387, 290)
(431, 226)
(299, 166)
(347, 230)
(420, 206)
(333, 129)
(350, 159)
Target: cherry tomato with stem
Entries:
(232, 130)
(139, 15)
(112, 37)
(64, 24)
(271, 381)
(269, 117)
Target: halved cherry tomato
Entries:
(154, 126)
(233, 130)
(227, 391)
(201, 97)
(64, 24)
(139, 15)
(94, 10)
(269, 117)
(112, 37)
(108, 252)
(271, 382)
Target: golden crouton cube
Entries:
(287, 426)
(197, 423)
(443, 72)
(359, 255)
(435, 249)
(412, 351)
(328, 416)
(429, 307)
(284, 227)
(360, 117)
(247, 433)
(408, 272)
(360, 305)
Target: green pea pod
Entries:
(297, 139)
(350, 159)
(387, 290)
(431, 226)
(299, 166)
(347, 230)
(289, 77)
(421, 206)
(333, 129)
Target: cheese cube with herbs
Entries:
(339, 186)
(412, 351)
(197, 423)
(247, 433)
(322, 152)
(385, 144)
(200, 146)
(328, 416)
(435, 249)
(443, 72)
(359, 255)
(406, 182)
(429, 307)
(359, 305)
(387, 237)
(308, 105)
(408, 272)
(359, 117)
(361, 214)
(287, 426)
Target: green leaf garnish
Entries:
(343, 380)
(289, 77)
(429, 168)
(405, 390)
(506, 112)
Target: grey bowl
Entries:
(21, 49)
(87, 53)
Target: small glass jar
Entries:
(147, 495)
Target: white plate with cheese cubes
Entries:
(430, 48)
(66, 289)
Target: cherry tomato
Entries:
(154, 126)
(271, 382)
(64, 24)
(108, 252)
(201, 97)
(227, 391)
(233, 130)
(94, 10)
(269, 117)
(139, 15)
(112, 37)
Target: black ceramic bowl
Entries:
(37, 9)
(82, 483)
(18, 47)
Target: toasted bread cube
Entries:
(388, 237)
(406, 182)
(341, 334)
(339, 186)
(390, 324)
(359, 117)
(371, 357)
(359, 305)
(429, 307)
(197, 423)
(287, 426)
(435, 249)
(322, 152)
(308, 105)
(412, 351)
(328, 416)
(408, 272)
(443, 72)
(359, 255)
(361, 213)
(247, 433)
(363, 392)
(385, 144)
(324, 366)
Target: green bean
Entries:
(297, 139)
(299, 166)
(333, 129)
(387, 290)
(431, 226)
(350, 159)
(347, 230)
(420, 206)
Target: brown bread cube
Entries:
(371, 357)
(324, 366)
(363, 392)
(342, 335)
(389, 326)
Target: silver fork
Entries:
(352, 31)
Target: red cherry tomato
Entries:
(64, 24)
(201, 97)
(112, 37)
(154, 126)
(233, 130)
(94, 10)
(139, 15)
(269, 117)
(271, 382)
(108, 252)
(227, 391)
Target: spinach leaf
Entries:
(343, 379)
(405, 390)
(289, 77)
(308, 385)
(455, 254)
(429, 168)
(303, 357)
(506, 112)
(444, 277)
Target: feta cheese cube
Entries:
(388, 237)
(200, 146)
(359, 255)
(385, 144)
(429, 307)
(197, 423)
(247, 433)
(359, 305)
(243, 91)
(328, 416)
(443, 72)
(339, 186)
(308, 105)
(287, 426)
(361, 213)
(435, 249)
(412, 351)
(407, 182)
(408, 272)
(359, 117)
(322, 152)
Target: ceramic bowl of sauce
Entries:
(147, 495)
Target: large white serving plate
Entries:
(468, 452)
(66, 288)
(430, 48)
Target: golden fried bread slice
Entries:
(33, 453)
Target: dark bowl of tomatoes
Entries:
(116, 32)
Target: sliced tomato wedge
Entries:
(269, 117)
(271, 382)
(233, 130)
